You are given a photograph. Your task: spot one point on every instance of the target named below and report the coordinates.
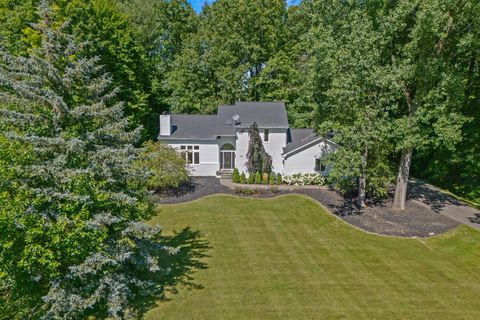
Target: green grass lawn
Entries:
(287, 258)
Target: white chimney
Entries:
(165, 125)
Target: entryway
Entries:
(227, 157)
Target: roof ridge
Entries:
(192, 115)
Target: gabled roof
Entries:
(297, 138)
(265, 114)
(184, 126)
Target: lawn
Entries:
(288, 258)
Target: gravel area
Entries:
(416, 221)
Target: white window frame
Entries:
(190, 149)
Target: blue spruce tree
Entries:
(73, 243)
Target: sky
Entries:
(198, 4)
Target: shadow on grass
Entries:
(179, 267)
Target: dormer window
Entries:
(265, 135)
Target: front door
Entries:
(227, 160)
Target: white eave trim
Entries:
(307, 145)
(186, 139)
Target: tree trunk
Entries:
(402, 180)
(404, 169)
(362, 183)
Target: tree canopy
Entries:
(73, 243)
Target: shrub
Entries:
(265, 178)
(248, 191)
(274, 190)
(167, 168)
(272, 178)
(304, 179)
(279, 179)
(236, 176)
(251, 178)
(258, 178)
(243, 178)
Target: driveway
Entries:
(442, 203)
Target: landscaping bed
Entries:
(379, 217)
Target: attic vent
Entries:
(229, 122)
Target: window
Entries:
(265, 135)
(191, 154)
(319, 166)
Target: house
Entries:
(214, 144)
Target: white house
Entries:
(214, 144)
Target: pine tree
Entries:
(258, 160)
(73, 244)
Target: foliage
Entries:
(274, 190)
(304, 179)
(251, 178)
(272, 178)
(248, 191)
(166, 166)
(161, 27)
(14, 18)
(258, 178)
(236, 176)
(265, 178)
(73, 243)
(243, 178)
(279, 179)
(258, 160)
(222, 61)
(110, 36)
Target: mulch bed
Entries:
(416, 221)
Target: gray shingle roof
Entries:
(195, 126)
(265, 114)
(299, 137)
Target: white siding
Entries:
(277, 140)
(209, 154)
(242, 147)
(303, 161)
(274, 147)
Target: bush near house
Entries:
(279, 179)
(272, 178)
(265, 178)
(236, 176)
(166, 167)
(258, 178)
(304, 179)
(251, 178)
(243, 178)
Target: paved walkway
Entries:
(442, 203)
